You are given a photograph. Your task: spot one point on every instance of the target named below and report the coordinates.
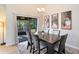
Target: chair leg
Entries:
(64, 51)
(28, 45)
(61, 52)
(31, 48)
(47, 49)
(39, 48)
(39, 51)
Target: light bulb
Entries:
(42, 9)
(38, 9)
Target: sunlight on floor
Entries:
(8, 49)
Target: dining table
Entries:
(49, 39)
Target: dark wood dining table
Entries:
(49, 39)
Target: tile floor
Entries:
(8, 49)
(14, 50)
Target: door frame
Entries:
(15, 24)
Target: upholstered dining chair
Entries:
(38, 45)
(33, 42)
(30, 43)
(56, 32)
(24, 44)
(61, 47)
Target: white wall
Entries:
(73, 37)
(14, 10)
(30, 10)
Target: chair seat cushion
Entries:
(56, 47)
(42, 44)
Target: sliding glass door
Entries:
(22, 23)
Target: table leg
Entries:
(50, 49)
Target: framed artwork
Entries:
(66, 21)
(54, 21)
(47, 24)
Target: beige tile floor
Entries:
(14, 50)
(8, 49)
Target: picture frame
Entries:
(47, 21)
(66, 20)
(54, 21)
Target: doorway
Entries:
(22, 22)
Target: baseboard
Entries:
(10, 44)
(72, 46)
(72, 49)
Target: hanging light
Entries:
(41, 9)
(38, 9)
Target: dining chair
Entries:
(38, 45)
(33, 42)
(29, 37)
(56, 32)
(61, 47)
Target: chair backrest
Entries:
(35, 41)
(62, 42)
(57, 32)
(28, 32)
